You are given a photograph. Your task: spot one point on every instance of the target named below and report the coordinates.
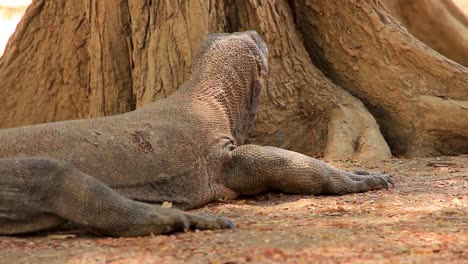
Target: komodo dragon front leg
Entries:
(42, 193)
(254, 169)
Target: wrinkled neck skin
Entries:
(235, 91)
(229, 72)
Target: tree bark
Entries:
(437, 23)
(44, 71)
(301, 109)
(418, 97)
(80, 60)
(165, 36)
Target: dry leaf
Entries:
(166, 205)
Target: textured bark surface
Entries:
(79, 60)
(301, 109)
(418, 97)
(165, 36)
(44, 72)
(437, 23)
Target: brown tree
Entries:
(438, 23)
(342, 73)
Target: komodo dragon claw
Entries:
(200, 222)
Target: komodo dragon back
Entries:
(110, 174)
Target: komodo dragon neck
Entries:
(231, 82)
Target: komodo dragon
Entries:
(107, 174)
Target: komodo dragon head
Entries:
(231, 69)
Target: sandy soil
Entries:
(422, 220)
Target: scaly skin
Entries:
(107, 174)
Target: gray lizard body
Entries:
(107, 173)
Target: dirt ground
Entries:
(422, 220)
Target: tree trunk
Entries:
(82, 60)
(419, 98)
(44, 71)
(301, 109)
(437, 23)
